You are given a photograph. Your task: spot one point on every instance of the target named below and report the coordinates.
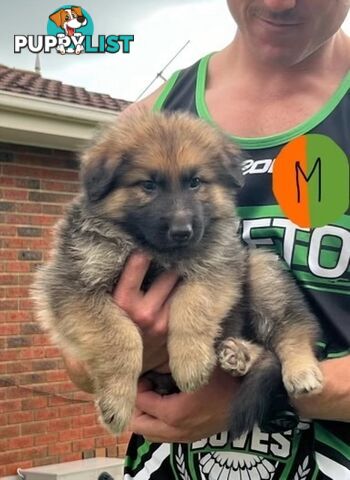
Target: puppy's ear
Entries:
(100, 175)
(57, 18)
(78, 11)
(231, 164)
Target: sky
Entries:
(160, 29)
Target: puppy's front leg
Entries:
(196, 314)
(110, 343)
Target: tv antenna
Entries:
(160, 74)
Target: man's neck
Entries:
(331, 61)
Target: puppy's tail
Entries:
(260, 400)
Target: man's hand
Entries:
(150, 311)
(185, 417)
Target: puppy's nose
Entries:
(180, 233)
(81, 19)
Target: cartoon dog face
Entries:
(69, 19)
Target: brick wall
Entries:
(43, 418)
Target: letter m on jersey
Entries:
(310, 181)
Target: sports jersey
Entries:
(319, 259)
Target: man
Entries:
(285, 74)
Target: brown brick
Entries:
(46, 439)
(69, 435)
(18, 316)
(18, 392)
(112, 452)
(7, 231)
(15, 342)
(29, 232)
(8, 355)
(30, 183)
(30, 255)
(34, 403)
(88, 454)
(10, 431)
(34, 452)
(17, 266)
(39, 173)
(59, 424)
(60, 186)
(21, 418)
(121, 451)
(44, 364)
(60, 448)
(109, 441)
(30, 328)
(6, 157)
(8, 279)
(19, 367)
(84, 421)
(10, 457)
(17, 292)
(28, 378)
(8, 255)
(81, 445)
(13, 329)
(38, 462)
(47, 414)
(7, 207)
(35, 427)
(49, 197)
(10, 406)
(32, 352)
(101, 452)
(53, 209)
(20, 442)
(14, 194)
(29, 208)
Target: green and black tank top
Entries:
(319, 259)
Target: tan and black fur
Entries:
(166, 184)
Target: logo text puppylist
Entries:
(69, 30)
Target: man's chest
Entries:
(256, 116)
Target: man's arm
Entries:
(333, 403)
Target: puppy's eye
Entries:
(195, 183)
(67, 17)
(149, 186)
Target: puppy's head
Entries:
(165, 178)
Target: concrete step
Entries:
(88, 469)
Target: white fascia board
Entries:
(42, 122)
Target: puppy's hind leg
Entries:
(283, 322)
(237, 356)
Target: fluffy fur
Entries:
(166, 184)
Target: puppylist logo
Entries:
(70, 30)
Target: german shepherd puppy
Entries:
(166, 184)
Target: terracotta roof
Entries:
(33, 84)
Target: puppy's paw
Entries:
(115, 410)
(303, 380)
(192, 368)
(236, 356)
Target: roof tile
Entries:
(33, 84)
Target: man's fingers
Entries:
(166, 408)
(131, 279)
(153, 429)
(160, 290)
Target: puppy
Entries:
(69, 19)
(166, 184)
